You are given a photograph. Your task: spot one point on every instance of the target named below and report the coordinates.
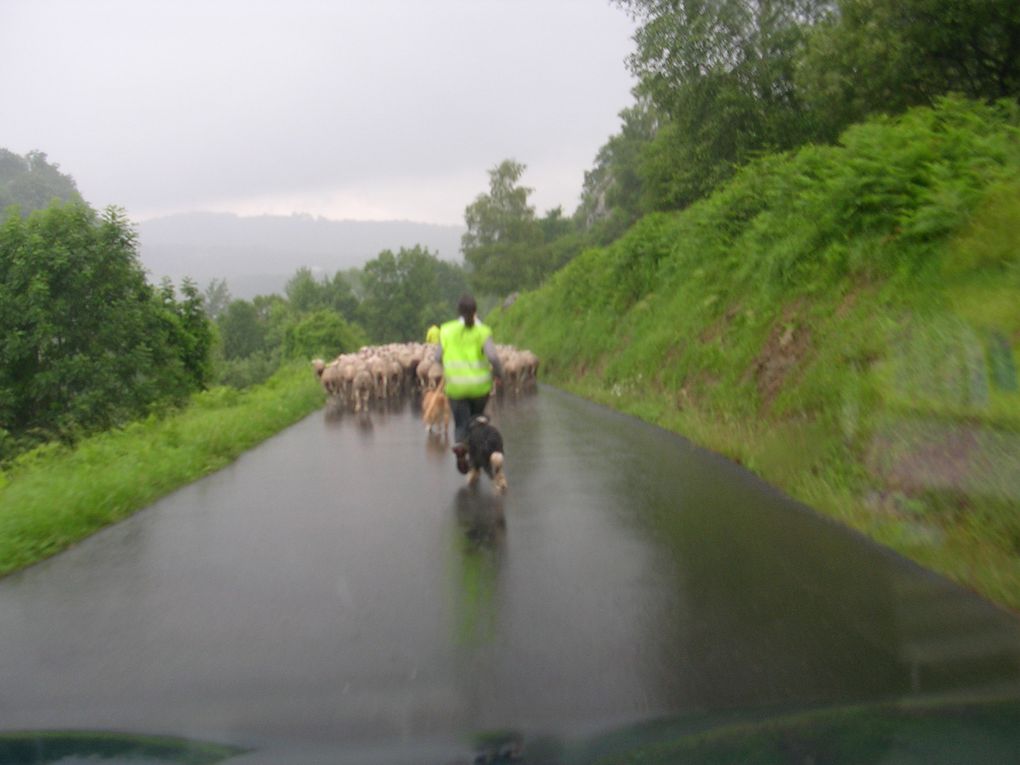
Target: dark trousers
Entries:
(463, 410)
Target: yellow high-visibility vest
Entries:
(432, 336)
(466, 371)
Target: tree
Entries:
(383, 312)
(252, 335)
(273, 314)
(452, 282)
(554, 225)
(502, 234)
(11, 165)
(613, 191)
(241, 332)
(216, 298)
(883, 56)
(304, 293)
(721, 73)
(184, 327)
(195, 345)
(85, 342)
(323, 333)
(31, 182)
(406, 292)
(340, 296)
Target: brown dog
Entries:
(435, 410)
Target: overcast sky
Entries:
(371, 110)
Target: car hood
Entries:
(934, 731)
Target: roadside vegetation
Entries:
(86, 343)
(842, 320)
(55, 495)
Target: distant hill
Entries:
(257, 255)
(32, 182)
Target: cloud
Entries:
(390, 107)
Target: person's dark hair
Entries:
(467, 308)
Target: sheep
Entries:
(409, 362)
(331, 379)
(530, 366)
(422, 373)
(388, 371)
(346, 369)
(434, 375)
(395, 377)
(377, 367)
(512, 371)
(363, 385)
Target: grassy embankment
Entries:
(54, 496)
(844, 321)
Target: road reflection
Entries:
(478, 559)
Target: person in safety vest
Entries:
(470, 362)
(432, 336)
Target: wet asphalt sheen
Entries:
(339, 583)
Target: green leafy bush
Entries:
(85, 342)
(323, 334)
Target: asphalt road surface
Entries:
(338, 583)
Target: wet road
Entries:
(338, 583)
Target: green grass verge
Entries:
(54, 496)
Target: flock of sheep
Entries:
(384, 372)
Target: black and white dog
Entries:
(485, 452)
